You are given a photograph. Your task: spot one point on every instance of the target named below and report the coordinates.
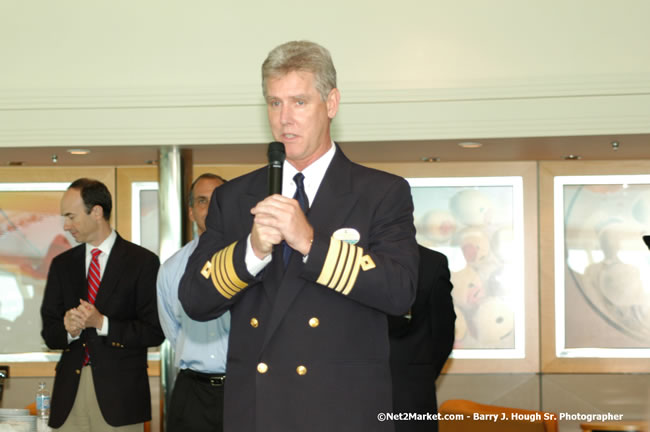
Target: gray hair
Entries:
(301, 56)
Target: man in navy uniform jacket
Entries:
(308, 346)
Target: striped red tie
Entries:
(93, 286)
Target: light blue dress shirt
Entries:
(200, 346)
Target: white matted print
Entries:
(477, 222)
(602, 266)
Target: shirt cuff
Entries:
(254, 265)
(104, 330)
(72, 339)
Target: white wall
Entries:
(151, 72)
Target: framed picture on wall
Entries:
(602, 266)
(31, 235)
(477, 222)
(483, 217)
(600, 298)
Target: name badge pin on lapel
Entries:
(348, 235)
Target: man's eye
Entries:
(300, 102)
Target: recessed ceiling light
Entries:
(78, 151)
(15, 163)
(430, 159)
(572, 157)
(470, 145)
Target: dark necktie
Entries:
(303, 200)
(94, 279)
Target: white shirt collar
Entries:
(105, 246)
(314, 175)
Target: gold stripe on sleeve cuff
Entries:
(342, 265)
(217, 275)
(222, 272)
(330, 262)
(347, 267)
(355, 272)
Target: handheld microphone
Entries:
(276, 156)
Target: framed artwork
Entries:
(600, 253)
(601, 269)
(477, 222)
(31, 235)
(483, 218)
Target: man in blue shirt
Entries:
(200, 347)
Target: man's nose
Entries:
(286, 115)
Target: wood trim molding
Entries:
(47, 369)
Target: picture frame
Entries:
(480, 359)
(595, 266)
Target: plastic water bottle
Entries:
(43, 402)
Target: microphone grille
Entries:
(276, 152)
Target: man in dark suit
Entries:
(99, 307)
(308, 346)
(421, 342)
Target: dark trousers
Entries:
(196, 404)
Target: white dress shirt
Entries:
(106, 246)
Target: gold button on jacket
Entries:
(314, 322)
(301, 370)
(262, 368)
(254, 322)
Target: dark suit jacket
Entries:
(127, 296)
(308, 347)
(419, 346)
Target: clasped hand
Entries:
(279, 218)
(83, 316)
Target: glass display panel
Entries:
(145, 215)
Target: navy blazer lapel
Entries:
(334, 190)
(78, 273)
(335, 198)
(112, 272)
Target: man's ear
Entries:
(333, 99)
(97, 212)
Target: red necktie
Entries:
(93, 286)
